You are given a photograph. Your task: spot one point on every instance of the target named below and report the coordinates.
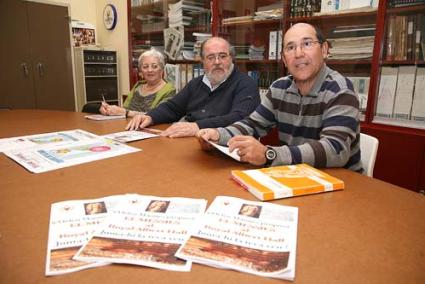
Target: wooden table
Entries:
(371, 232)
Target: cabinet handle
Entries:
(25, 69)
(40, 70)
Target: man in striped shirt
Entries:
(315, 110)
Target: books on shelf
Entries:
(405, 37)
(418, 109)
(401, 97)
(405, 3)
(275, 44)
(404, 92)
(253, 237)
(386, 94)
(351, 48)
(361, 86)
(286, 181)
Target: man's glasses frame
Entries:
(306, 44)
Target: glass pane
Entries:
(254, 28)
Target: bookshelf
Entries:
(401, 154)
(148, 21)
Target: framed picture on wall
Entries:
(83, 34)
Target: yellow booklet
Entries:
(286, 181)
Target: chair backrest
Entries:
(369, 149)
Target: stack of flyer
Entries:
(133, 229)
(286, 181)
(171, 233)
(252, 237)
(50, 151)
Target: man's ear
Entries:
(325, 49)
(282, 55)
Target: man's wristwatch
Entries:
(270, 156)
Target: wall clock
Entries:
(110, 16)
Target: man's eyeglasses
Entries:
(304, 45)
(219, 56)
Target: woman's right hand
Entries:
(104, 108)
(138, 122)
(205, 135)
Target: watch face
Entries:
(109, 17)
(270, 154)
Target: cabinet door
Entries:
(50, 42)
(16, 77)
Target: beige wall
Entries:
(116, 39)
(91, 11)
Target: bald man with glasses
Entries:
(314, 108)
(221, 96)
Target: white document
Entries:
(404, 93)
(44, 139)
(133, 135)
(225, 150)
(273, 45)
(418, 106)
(104, 117)
(43, 159)
(387, 87)
(173, 42)
(71, 225)
(252, 237)
(145, 230)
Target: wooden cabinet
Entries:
(36, 56)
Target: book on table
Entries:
(286, 181)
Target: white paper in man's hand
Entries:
(225, 150)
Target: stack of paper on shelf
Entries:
(200, 38)
(256, 52)
(351, 48)
(182, 12)
(286, 181)
(268, 15)
(238, 20)
(253, 237)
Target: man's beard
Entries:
(218, 78)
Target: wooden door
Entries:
(50, 42)
(16, 77)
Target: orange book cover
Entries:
(286, 181)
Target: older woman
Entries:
(147, 93)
